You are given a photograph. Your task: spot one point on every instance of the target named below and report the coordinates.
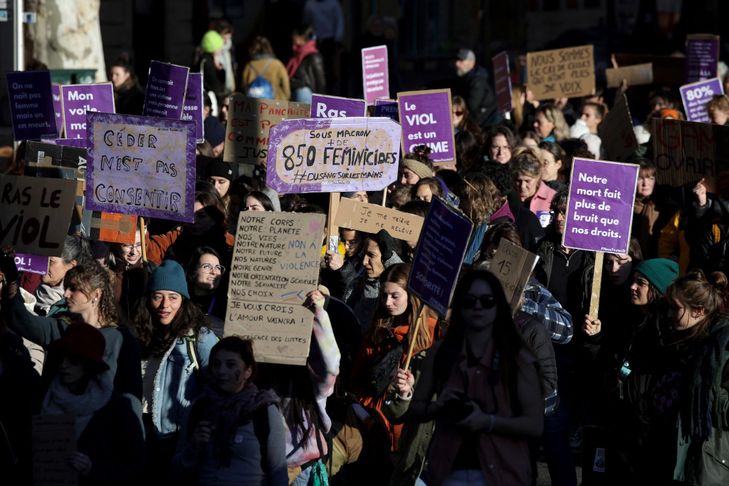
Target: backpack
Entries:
(260, 87)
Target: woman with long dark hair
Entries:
(489, 398)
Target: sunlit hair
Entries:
(92, 276)
(479, 197)
(554, 115)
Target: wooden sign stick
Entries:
(332, 229)
(413, 335)
(142, 238)
(596, 283)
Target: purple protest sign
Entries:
(31, 263)
(77, 99)
(31, 105)
(425, 117)
(502, 81)
(71, 142)
(600, 206)
(387, 108)
(57, 107)
(324, 106)
(165, 97)
(695, 96)
(375, 77)
(702, 57)
(140, 165)
(333, 155)
(193, 110)
(440, 250)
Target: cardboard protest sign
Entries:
(193, 108)
(31, 263)
(702, 57)
(276, 263)
(561, 73)
(333, 155)
(426, 119)
(31, 105)
(685, 152)
(325, 106)
(440, 251)
(165, 94)
(634, 75)
(502, 81)
(616, 131)
(249, 123)
(668, 70)
(375, 76)
(695, 96)
(57, 107)
(141, 165)
(372, 218)
(77, 99)
(53, 440)
(513, 265)
(36, 213)
(600, 206)
(387, 108)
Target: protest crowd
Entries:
(436, 287)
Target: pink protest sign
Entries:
(375, 80)
(324, 106)
(426, 119)
(600, 206)
(502, 81)
(77, 99)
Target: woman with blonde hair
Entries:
(549, 123)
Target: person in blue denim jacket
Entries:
(175, 350)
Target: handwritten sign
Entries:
(502, 81)
(324, 106)
(696, 95)
(375, 76)
(31, 263)
(36, 213)
(561, 73)
(616, 131)
(333, 155)
(276, 262)
(426, 119)
(635, 75)
(31, 105)
(513, 265)
(702, 57)
(193, 108)
(250, 121)
(77, 99)
(54, 440)
(440, 251)
(141, 165)
(387, 108)
(372, 218)
(600, 206)
(685, 152)
(165, 94)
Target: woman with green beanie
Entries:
(175, 350)
(212, 68)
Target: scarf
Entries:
(47, 296)
(300, 53)
(60, 401)
(226, 411)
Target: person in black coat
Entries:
(128, 95)
(474, 86)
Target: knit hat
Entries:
(220, 168)
(420, 169)
(214, 131)
(660, 272)
(83, 341)
(386, 244)
(168, 276)
(211, 42)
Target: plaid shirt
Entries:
(540, 303)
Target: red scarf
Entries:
(300, 52)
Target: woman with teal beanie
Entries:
(175, 350)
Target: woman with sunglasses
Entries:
(205, 279)
(489, 397)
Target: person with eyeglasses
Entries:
(481, 385)
(207, 284)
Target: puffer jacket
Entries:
(363, 294)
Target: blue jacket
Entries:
(177, 383)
